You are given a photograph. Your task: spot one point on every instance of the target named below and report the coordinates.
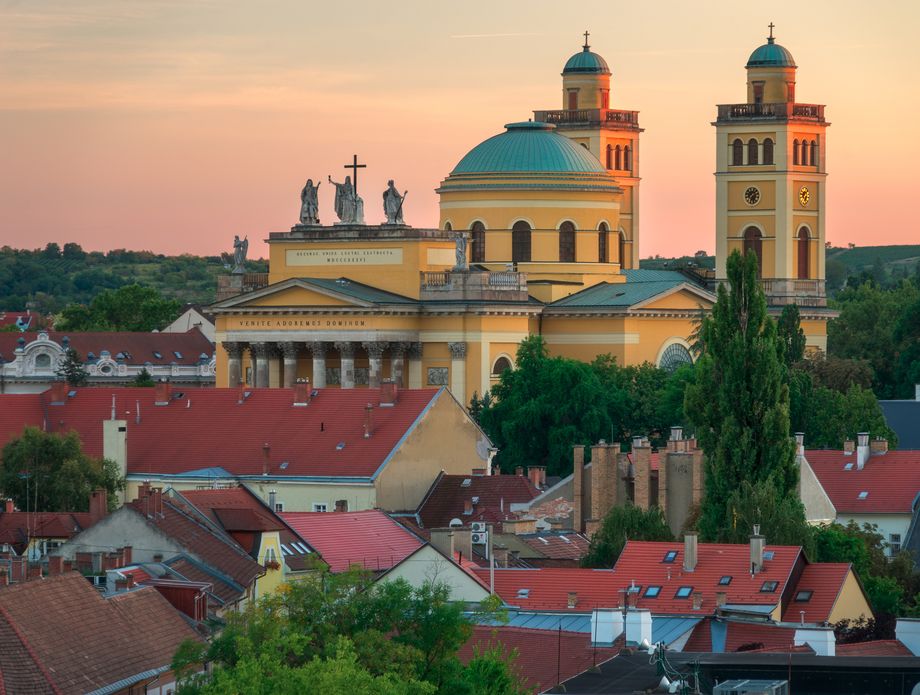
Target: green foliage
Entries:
(344, 633)
(477, 404)
(620, 525)
(790, 335)
(781, 517)
(830, 417)
(836, 373)
(740, 404)
(50, 473)
(71, 369)
(130, 308)
(143, 379)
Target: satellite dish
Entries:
(645, 645)
(663, 685)
(676, 686)
(455, 522)
(482, 450)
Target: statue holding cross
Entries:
(349, 207)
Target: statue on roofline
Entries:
(349, 207)
(309, 203)
(393, 204)
(240, 248)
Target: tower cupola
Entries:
(586, 81)
(770, 73)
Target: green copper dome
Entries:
(529, 147)
(771, 54)
(586, 62)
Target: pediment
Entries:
(296, 292)
(680, 297)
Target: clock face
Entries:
(752, 195)
(804, 196)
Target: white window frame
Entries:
(324, 505)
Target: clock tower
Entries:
(770, 187)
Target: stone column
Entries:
(397, 360)
(274, 365)
(415, 365)
(289, 350)
(318, 348)
(234, 363)
(458, 371)
(347, 352)
(375, 363)
(259, 352)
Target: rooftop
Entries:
(548, 588)
(491, 497)
(891, 480)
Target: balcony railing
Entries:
(611, 117)
(775, 111)
(473, 286)
(802, 292)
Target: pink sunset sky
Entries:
(172, 125)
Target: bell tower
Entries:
(770, 185)
(611, 135)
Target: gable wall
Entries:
(120, 528)
(428, 565)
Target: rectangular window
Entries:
(768, 587)
(726, 580)
(652, 592)
(573, 99)
(803, 596)
(670, 556)
(758, 92)
(684, 592)
(894, 544)
(319, 507)
(279, 507)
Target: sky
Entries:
(173, 125)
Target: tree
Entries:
(791, 335)
(52, 250)
(143, 379)
(620, 525)
(831, 417)
(73, 252)
(71, 369)
(781, 518)
(129, 308)
(50, 473)
(477, 404)
(344, 633)
(739, 401)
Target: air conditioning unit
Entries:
(480, 538)
(752, 687)
(478, 527)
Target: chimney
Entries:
(639, 626)
(161, 392)
(572, 599)
(35, 571)
(519, 526)
(536, 475)
(821, 639)
(58, 392)
(443, 540)
(578, 472)
(10, 508)
(849, 446)
(721, 598)
(862, 450)
(266, 458)
(690, 551)
(519, 471)
(642, 472)
(757, 543)
(368, 420)
(115, 445)
(388, 393)
(341, 505)
(799, 443)
(55, 565)
(606, 626)
(272, 499)
(467, 507)
(697, 600)
(98, 505)
(917, 392)
(877, 446)
(677, 433)
(127, 555)
(302, 393)
(501, 556)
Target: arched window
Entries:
(43, 361)
(752, 151)
(501, 364)
(737, 153)
(624, 261)
(610, 156)
(804, 251)
(627, 158)
(795, 151)
(567, 242)
(478, 241)
(814, 153)
(448, 227)
(618, 160)
(520, 242)
(753, 241)
(768, 151)
(603, 243)
(804, 158)
(675, 355)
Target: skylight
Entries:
(848, 467)
(768, 587)
(863, 495)
(177, 354)
(803, 596)
(652, 591)
(767, 554)
(726, 580)
(466, 482)
(157, 354)
(523, 593)
(340, 446)
(670, 556)
(684, 592)
(285, 550)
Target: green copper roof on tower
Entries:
(771, 54)
(586, 62)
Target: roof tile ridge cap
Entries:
(28, 647)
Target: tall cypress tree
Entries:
(739, 404)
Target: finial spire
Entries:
(586, 40)
(770, 38)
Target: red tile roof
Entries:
(641, 562)
(495, 493)
(79, 641)
(558, 545)
(217, 427)
(825, 581)
(547, 588)
(891, 479)
(740, 634)
(368, 538)
(139, 348)
(882, 647)
(16, 528)
(544, 657)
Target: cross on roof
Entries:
(771, 25)
(586, 40)
(354, 166)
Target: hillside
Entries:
(47, 280)
(862, 258)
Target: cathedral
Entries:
(539, 234)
